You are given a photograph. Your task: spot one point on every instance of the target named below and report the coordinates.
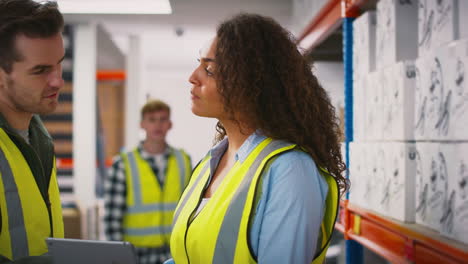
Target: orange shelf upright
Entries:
(67, 163)
(110, 75)
(396, 241)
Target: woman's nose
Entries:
(193, 79)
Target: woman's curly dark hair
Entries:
(261, 75)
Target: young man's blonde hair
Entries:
(154, 106)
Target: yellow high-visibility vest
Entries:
(25, 218)
(219, 235)
(147, 221)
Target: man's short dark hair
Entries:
(28, 18)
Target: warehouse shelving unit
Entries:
(396, 241)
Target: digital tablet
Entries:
(77, 251)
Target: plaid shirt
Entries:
(115, 193)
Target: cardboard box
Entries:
(374, 110)
(433, 96)
(457, 83)
(375, 184)
(382, 197)
(401, 173)
(437, 24)
(359, 110)
(460, 186)
(398, 90)
(462, 19)
(422, 186)
(434, 192)
(357, 173)
(396, 35)
(364, 28)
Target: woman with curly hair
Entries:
(267, 192)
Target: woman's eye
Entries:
(209, 70)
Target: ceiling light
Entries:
(142, 7)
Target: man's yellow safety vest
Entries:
(219, 235)
(147, 221)
(25, 217)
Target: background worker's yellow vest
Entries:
(25, 218)
(219, 233)
(147, 221)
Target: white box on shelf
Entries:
(437, 24)
(374, 110)
(462, 18)
(400, 109)
(456, 81)
(458, 198)
(434, 157)
(359, 109)
(420, 98)
(364, 44)
(387, 84)
(401, 172)
(422, 185)
(433, 96)
(376, 177)
(357, 173)
(367, 195)
(383, 201)
(396, 35)
(454, 197)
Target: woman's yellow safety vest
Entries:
(219, 233)
(25, 217)
(147, 221)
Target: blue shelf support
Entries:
(354, 250)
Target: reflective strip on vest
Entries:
(181, 163)
(19, 239)
(189, 193)
(228, 234)
(161, 230)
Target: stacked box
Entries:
(374, 183)
(458, 197)
(400, 102)
(364, 45)
(433, 96)
(433, 186)
(422, 186)
(437, 24)
(396, 35)
(382, 196)
(462, 19)
(456, 82)
(374, 110)
(357, 173)
(359, 109)
(401, 172)
(387, 84)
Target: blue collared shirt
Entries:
(290, 209)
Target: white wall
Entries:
(169, 60)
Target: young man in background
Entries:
(144, 186)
